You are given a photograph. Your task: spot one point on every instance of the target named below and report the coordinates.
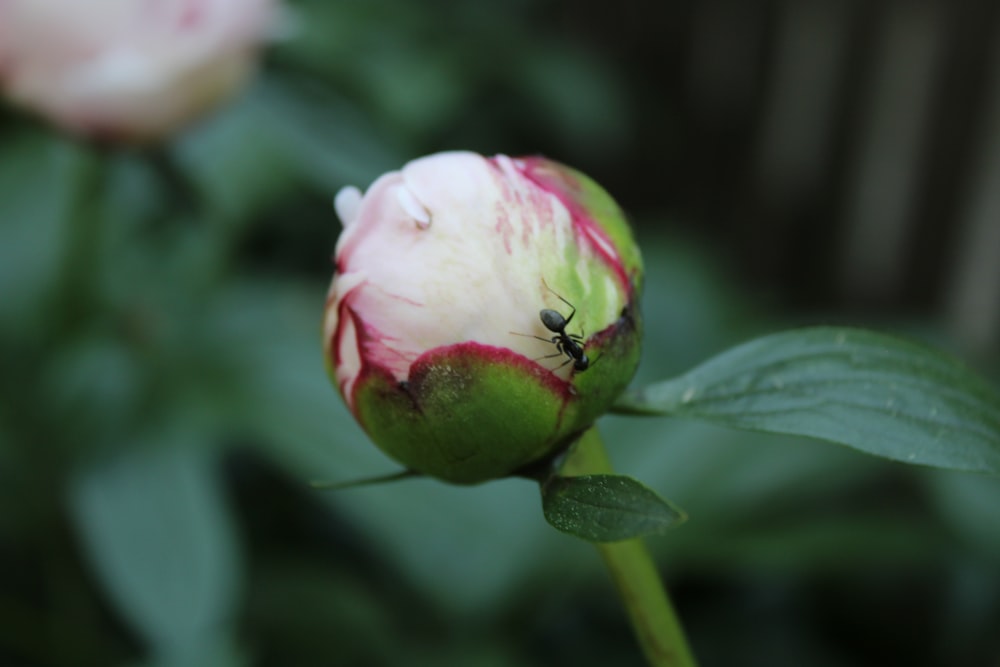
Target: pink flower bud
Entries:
(483, 311)
(128, 69)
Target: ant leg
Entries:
(559, 296)
(560, 350)
(570, 318)
(544, 340)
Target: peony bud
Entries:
(128, 69)
(437, 329)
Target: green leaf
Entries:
(158, 534)
(882, 395)
(606, 508)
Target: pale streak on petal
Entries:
(611, 286)
(508, 166)
(346, 204)
(413, 208)
(606, 247)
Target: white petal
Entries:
(413, 208)
(346, 204)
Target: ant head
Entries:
(552, 320)
(581, 364)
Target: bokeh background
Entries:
(786, 162)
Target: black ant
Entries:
(566, 343)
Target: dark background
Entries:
(164, 402)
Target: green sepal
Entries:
(614, 357)
(468, 413)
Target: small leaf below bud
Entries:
(606, 508)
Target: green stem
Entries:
(654, 621)
(76, 290)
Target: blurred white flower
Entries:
(133, 70)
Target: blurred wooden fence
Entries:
(850, 147)
(883, 118)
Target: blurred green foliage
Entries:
(164, 404)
